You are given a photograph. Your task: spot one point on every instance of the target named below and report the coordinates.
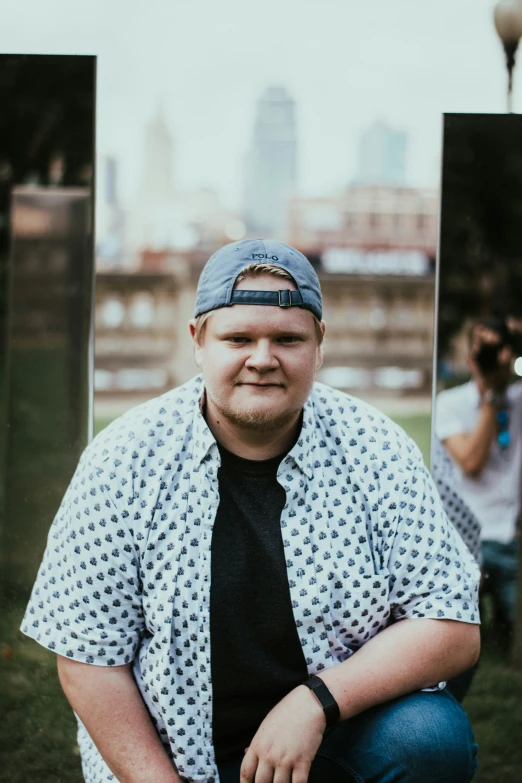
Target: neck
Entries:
(251, 443)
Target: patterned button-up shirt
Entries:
(126, 573)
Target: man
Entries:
(223, 544)
(480, 426)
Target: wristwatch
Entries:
(492, 397)
(325, 698)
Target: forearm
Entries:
(471, 450)
(406, 656)
(109, 704)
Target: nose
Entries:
(262, 357)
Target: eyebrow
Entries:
(243, 330)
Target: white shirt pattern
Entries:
(126, 573)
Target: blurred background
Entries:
(372, 241)
(321, 126)
(480, 253)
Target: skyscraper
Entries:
(110, 217)
(382, 156)
(271, 168)
(156, 182)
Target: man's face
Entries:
(259, 361)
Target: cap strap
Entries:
(283, 298)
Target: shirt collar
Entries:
(203, 439)
(302, 452)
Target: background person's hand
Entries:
(496, 379)
(286, 742)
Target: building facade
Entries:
(369, 219)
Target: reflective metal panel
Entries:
(479, 345)
(46, 262)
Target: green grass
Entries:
(44, 445)
(494, 708)
(38, 730)
(37, 726)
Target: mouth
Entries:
(262, 385)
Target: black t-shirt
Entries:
(256, 655)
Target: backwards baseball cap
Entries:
(216, 284)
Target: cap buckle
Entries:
(286, 293)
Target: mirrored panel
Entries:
(477, 423)
(46, 267)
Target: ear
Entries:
(197, 346)
(320, 348)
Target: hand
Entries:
(286, 742)
(497, 379)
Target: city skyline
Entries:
(160, 186)
(163, 216)
(346, 65)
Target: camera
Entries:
(487, 355)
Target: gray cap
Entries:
(216, 284)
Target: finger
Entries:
(265, 772)
(248, 769)
(505, 356)
(283, 775)
(300, 773)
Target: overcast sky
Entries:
(345, 62)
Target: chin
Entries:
(260, 417)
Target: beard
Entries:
(256, 419)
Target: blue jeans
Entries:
(500, 565)
(418, 738)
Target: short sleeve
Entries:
(432, 572)
(448, 420)
(86, 601)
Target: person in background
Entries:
(480, 425)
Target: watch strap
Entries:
(325, 698)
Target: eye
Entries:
(238, 340)
(289, 338)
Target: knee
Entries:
(433, 741)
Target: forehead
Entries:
(261, 319)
